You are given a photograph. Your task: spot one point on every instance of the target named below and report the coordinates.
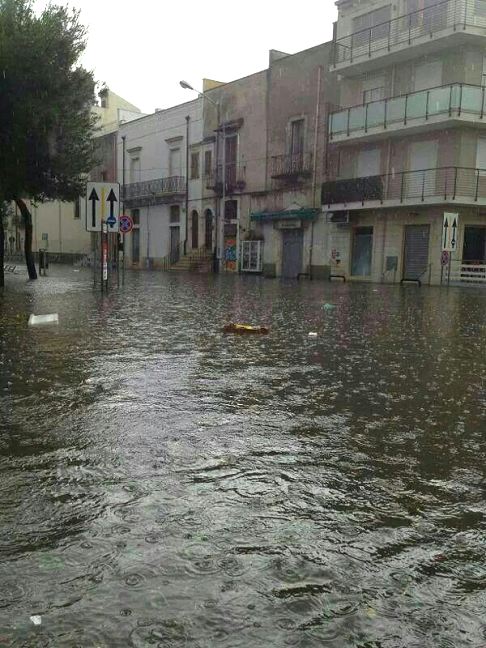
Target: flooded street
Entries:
(165, 485)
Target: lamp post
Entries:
(217, 104)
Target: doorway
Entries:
(175, 237)
(292, 253)
(136, 246)
(416, 254)
(208, 229)
(195, 229)
(362, 251)
(474, 249)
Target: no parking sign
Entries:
(126, 224)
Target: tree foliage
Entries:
(46, 117)
(46, 100)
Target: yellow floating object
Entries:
(241, 329)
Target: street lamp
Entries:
(187, 86)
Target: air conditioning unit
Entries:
(339, 217)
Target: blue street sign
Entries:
(111, 220)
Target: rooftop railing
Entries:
(406, 29)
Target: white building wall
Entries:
(151, 139)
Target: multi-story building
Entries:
(234, 150)
(155, 153)
(287, 215)
(406, 138)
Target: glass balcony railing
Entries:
(451, 101)
(438, 184)
(408, 29)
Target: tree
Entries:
(46, 117)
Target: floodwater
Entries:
(162, 484)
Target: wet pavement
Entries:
(162, 484)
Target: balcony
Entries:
(413, 34)
(429, 186)
(443, 103)
(153, 192)
(416, 110)
(292, 167)
(232, 177)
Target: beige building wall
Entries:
(62, 225)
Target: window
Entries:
(208, 163)
(480, 8)
(251, 256)
(362, 251)
(175, 213)
(194, 166)
(77, 208)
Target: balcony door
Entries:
(421, 177)
(369, 163)
(135, 170)
(174, 162)
(296, 146)
(231, 157)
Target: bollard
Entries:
(43, 262)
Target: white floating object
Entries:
(312, 335)
(36, 620)
(39, 320)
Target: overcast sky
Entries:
(142, 48)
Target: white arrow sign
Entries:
(450, 231)
(102, 206)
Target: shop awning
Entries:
(306, 213)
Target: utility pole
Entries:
(188, 119)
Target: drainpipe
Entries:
(188, 119)
(217, 214)
(314, 170)
(60, 231)
(124, 137)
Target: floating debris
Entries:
(312, 334)
(39, 320)
(329, 306)
(36, 620)
(241, 329)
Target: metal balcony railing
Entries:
(406, 29)
(450, 101)
(439, 184)
(470, 272)
(152, 192)
(234, 178)
(291, 166)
